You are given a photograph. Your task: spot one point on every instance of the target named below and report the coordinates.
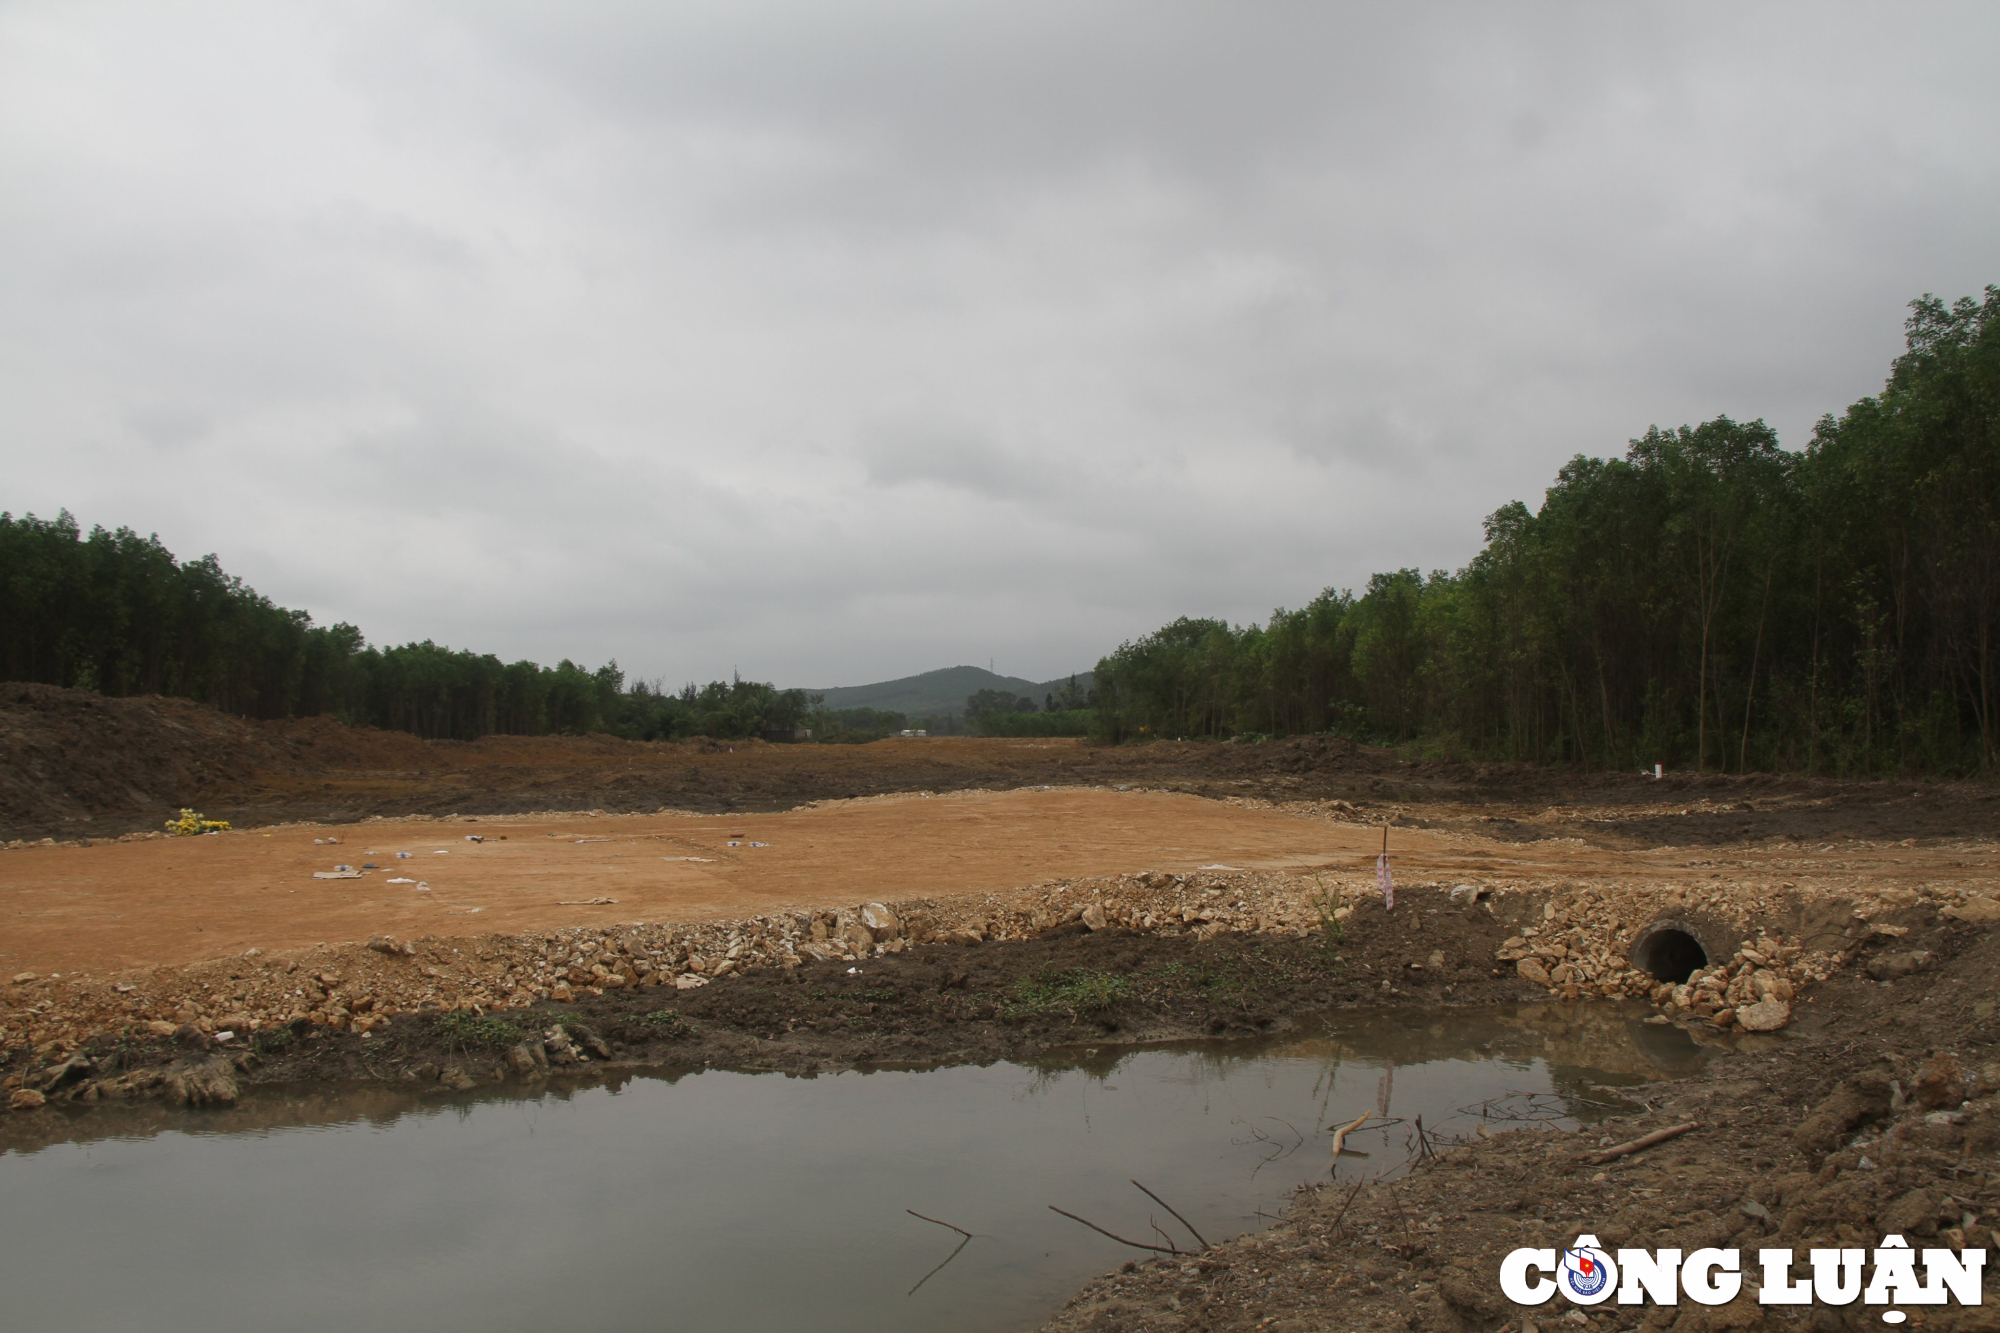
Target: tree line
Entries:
(115, 612)
(1708, 601)
(1065, 711)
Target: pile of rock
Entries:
(1753, 990)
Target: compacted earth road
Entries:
(554, 912)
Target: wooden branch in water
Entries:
(960, 1230)
(947, 1259)
(1137, 1245)
(1340, 1135)
(1644, 1141)
(1170, 1208)
(1424, 1142)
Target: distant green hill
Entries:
(940, 691)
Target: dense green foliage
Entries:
(856, 725)
(1065, 711)
(117, 613)
(1073, 722)
(1707, 601)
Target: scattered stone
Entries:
(388, 944)
(1892, 966)
(208, 1081)
(1976, 911)
(1531, 970)
(159, 1027)
(1436, 961)
(55, 1076)
(1094, 918)
(1764, 1016)
(23, 978)
(457, 1080)
(26, 1099)
(881, 923)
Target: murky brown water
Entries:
(752, 1201)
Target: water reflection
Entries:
(755, 1199)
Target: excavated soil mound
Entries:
(72, 761)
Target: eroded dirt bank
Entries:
(1874, 1114)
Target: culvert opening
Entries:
(1669, 953)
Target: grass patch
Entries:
(664, 1023)
(266, 1040)
(465, 1030)
(1077, 992)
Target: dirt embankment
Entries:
(76, 765)
(1876, 1115)
(1875, 1111)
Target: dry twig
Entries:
(1170, 1247)
(960, 1230)
(1170, 1208)
(1642, 1142)
(1335, 1228)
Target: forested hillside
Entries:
(117, 613)
(1707, 601)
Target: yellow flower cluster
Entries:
(191, 823)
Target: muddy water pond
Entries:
(724, 1200)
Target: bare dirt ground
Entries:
(74, 765)
(180, 900)
(1061, 893)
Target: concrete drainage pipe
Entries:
(1669, 951)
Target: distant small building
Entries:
(908, 732)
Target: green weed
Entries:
(1324, 907)
(1078, 992)
(666, 1023)
(465, 1030)
(266, 1040)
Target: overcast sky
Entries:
(836, 342)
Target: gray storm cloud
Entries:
(841, 342)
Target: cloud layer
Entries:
(833, 343)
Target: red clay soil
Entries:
(177, 900)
